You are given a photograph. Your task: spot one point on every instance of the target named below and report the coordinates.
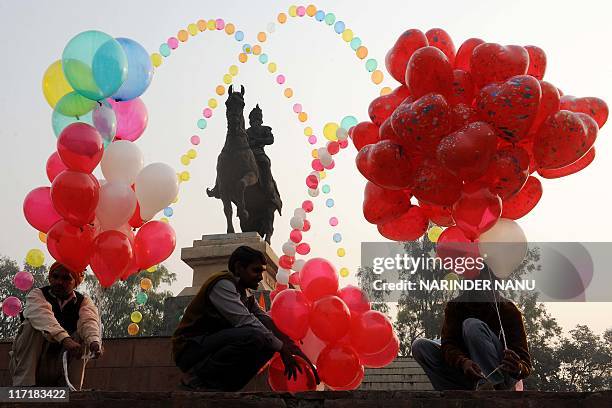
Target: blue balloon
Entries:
(337, 237)
(329, 202)
(355, 43)
(140, 71)
(165, 50)
(60, 122)
(263, 58)
(168, 211)
(339, 27)
(320, 15)
(239, 36)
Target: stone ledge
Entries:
(344, 399)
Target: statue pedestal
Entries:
(209, 255)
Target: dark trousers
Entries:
(226, 360)
(484, 348)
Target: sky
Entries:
(328, 80)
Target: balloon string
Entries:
(503, 333)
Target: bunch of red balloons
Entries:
(464, 134)
(337, 329)
(92, 222)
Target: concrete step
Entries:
(394, 370)
(390, 378)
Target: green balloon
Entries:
(141, 298)
(75, 105)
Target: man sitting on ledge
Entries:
(471, 354)
(224, 338)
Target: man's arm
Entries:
(88, 325)
(516, 339)
(452, 337)
(226, 300)
(40, 315)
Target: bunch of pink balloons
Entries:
(338, 330)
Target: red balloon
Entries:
(523, 202)
(136, 221)
(356, 382)
(537, 61)
(407, 227)
(549, 104)
(386, 132)
(453, 244)
(429, 71)
(508, 172)
(333, 147)
(318, 278)
(371, 331)
(303, 248)
(477, 210)
(71, 245)
(462, 115)
(397, 58)
(55, 166)
(437, 37)
(278, 381)
(80, 147)
(364, 133)
(294, 279)
(75, 196)
(468, 152)
(382, 107)
(295, 236)
(382, 205)
(511, 107)
(355, 298)
(563, 138)
(386, 164)
(330, 318)
(38, 209)
(442, 216)
(422, 123)
(594, 107)
(133, 266)
(436, 185)
(492, 62)
(338, 365)
(290, 311)
(306, 226)
(463, 88)
(383, 357)
(286, 262)
(464, 54)
(316, 165)
(154, 243)
(575, 167)
(110, 257)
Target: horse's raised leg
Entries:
(247, 180)
(227, 209)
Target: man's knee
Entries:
(473, 327)
(421, 348)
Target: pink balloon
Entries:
(154, 243)
(356, 300)
(80, 147)
(312, 345)
(290, 310)
(55, 166)
(38, 209)
(23, 280)
(318, 278)
(11, 306)
(132, 118)
(383, 357)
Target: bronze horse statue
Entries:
(240, 171)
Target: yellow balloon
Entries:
(35, 258)
(293, 11)
(133, 329)
(212, 103)
(192, 154)
(42, 236)
(315, 154)
(307, 131)
(434, 233)
(288, 92)
(156, 59)
(272, 67)
(344, 272)
(54, 84)
(185, 176)
(185, 160)
(136, 317)
(347, 35)
(164, 219)
(227, 79)
(329, 131)
(385, 91)
(322, 174)
(152, 269)
(211, 25)
(341, 252)
(146, 284)
(193, 29)
(233, 70)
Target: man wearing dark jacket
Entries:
(472, 353)
(224, 338)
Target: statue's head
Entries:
(235, 100)
(256, 116)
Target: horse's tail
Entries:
(214, 192)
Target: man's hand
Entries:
(95, 349)
(471, 369)
(297, 351)
(73, 347)
(291, 366)
(511, 363)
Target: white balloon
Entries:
(122, 161)
(298, 264)
(299, 212)
(503, 247)
(156, 187)
(289, 248)
(296, 223)
(313, 192)
(312, 345)
(341, 134)
(324, 157)
(282, 276)
(116, 204)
